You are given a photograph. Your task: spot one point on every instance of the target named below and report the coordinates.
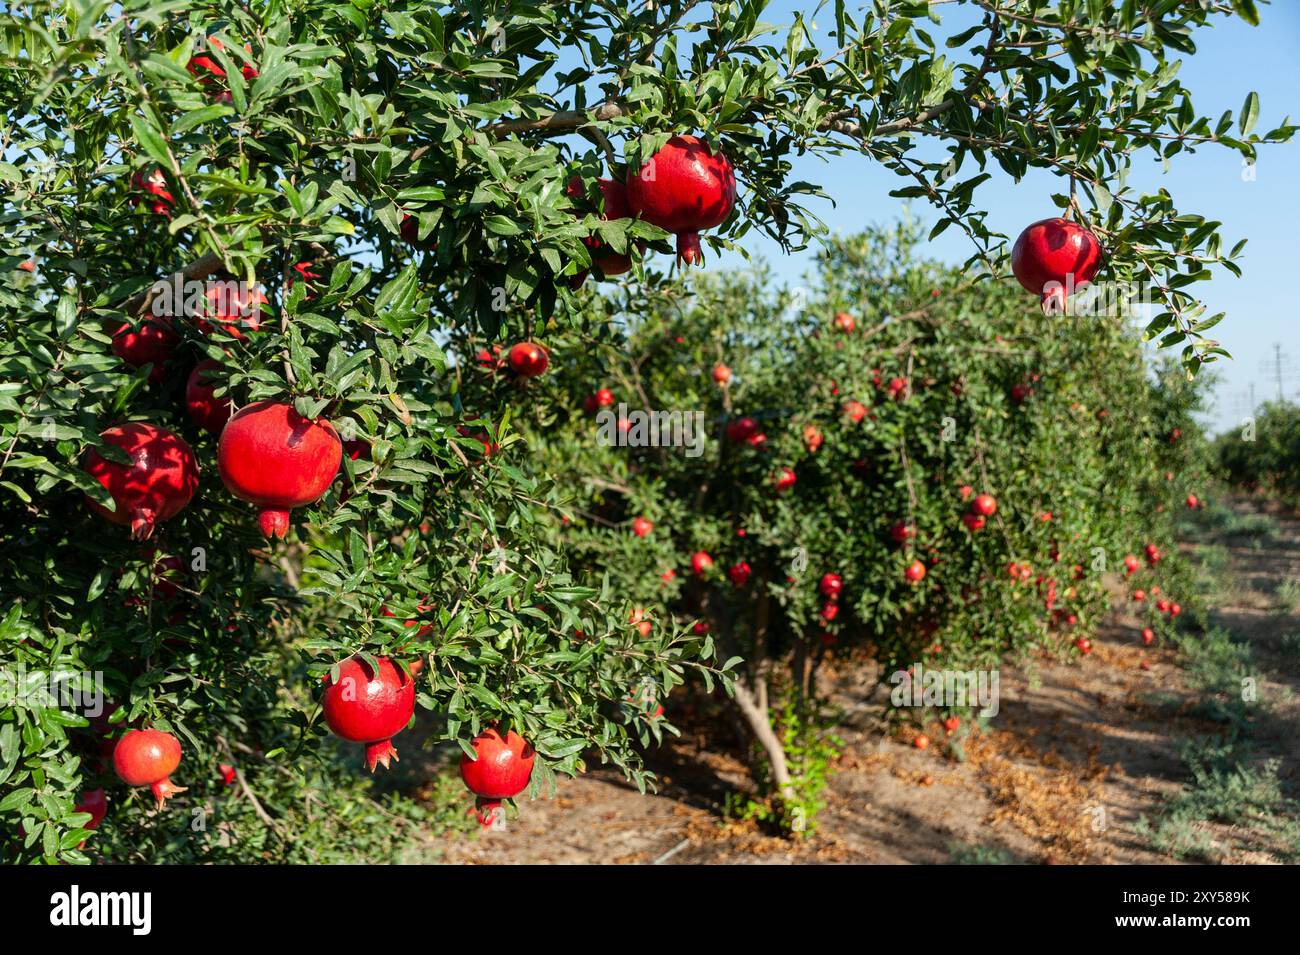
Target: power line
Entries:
(1278, 368)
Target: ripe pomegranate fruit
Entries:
(1148, 636)
(845, 322)
(1139, 595)
(783, 480)
(500, 769)
(951, 724)
(985, 505)
(830, 610)
(701, 563)
(641, 527)
(154, 487)
(614, 198)
(230, 304)
(640, 619)
(601, 398)
(721, 374)
(207, 70)
(921, 742)
(148, 758)
(902, 532)
(1083, 645)
(370, 708)
(528, 359)
(94, 802)
(1050, 251)
(684, 188)
(855, 411)
(973, 521)
(1131, 564)
(740, 573)
(812, 437)
(742, 429)
(1192, 501)
(271, 456)
(831, 585)
(915, 571)
(206, 410)
(227, 773)
(152, 343)
(153, 183)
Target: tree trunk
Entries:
(756, 718)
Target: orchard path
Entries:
(1080, 750)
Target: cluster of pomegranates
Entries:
(268, 455)
(683, 188)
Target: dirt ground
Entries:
(1079, 751)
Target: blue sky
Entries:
(1231, 60)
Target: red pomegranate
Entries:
(985, 505)
(94, 802)
(1048, 253)
(206, 410)
(528, 359)
(601, 398)
(701, 563)
(207, 70)
(642, 526)
(501, 767)
(740, 573)
(614, 196)
(271, 456)
(230, 304)
(410, 233)
(914, 571)
(783, 480)
(370, 708)
(151, 343)
(684, 188)
(154, 183)
(742, 429)
(831, 585)
(855, 411)
(148, 758)
(154, 487)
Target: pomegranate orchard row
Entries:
(279, 284)
(902, 465)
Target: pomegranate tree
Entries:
(176, 177)
(891, 537)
